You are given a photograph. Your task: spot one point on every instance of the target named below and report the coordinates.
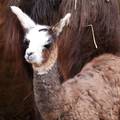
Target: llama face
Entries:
(39, 37)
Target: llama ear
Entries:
(25, 20)
(58, 28)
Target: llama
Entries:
(93, 94)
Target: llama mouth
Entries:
(33, 59)
(30, 59)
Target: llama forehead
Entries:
(38, 35)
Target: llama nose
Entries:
(29, 53)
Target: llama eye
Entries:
(26, 42)
(47, 46)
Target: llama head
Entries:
(40, 39)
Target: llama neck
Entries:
(46, 88)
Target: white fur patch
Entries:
(25, 20)
(36, 45)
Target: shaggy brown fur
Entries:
(16, 95)
(93, 94)
(46, 11)
(95, 91)
(27, 6)
(76, 44)
(9, 2)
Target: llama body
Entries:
(93, 94)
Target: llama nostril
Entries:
(30, 53)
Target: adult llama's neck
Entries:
(46, 91)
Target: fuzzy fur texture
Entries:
(76, 45)
(93, 94)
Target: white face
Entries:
(38, 38)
